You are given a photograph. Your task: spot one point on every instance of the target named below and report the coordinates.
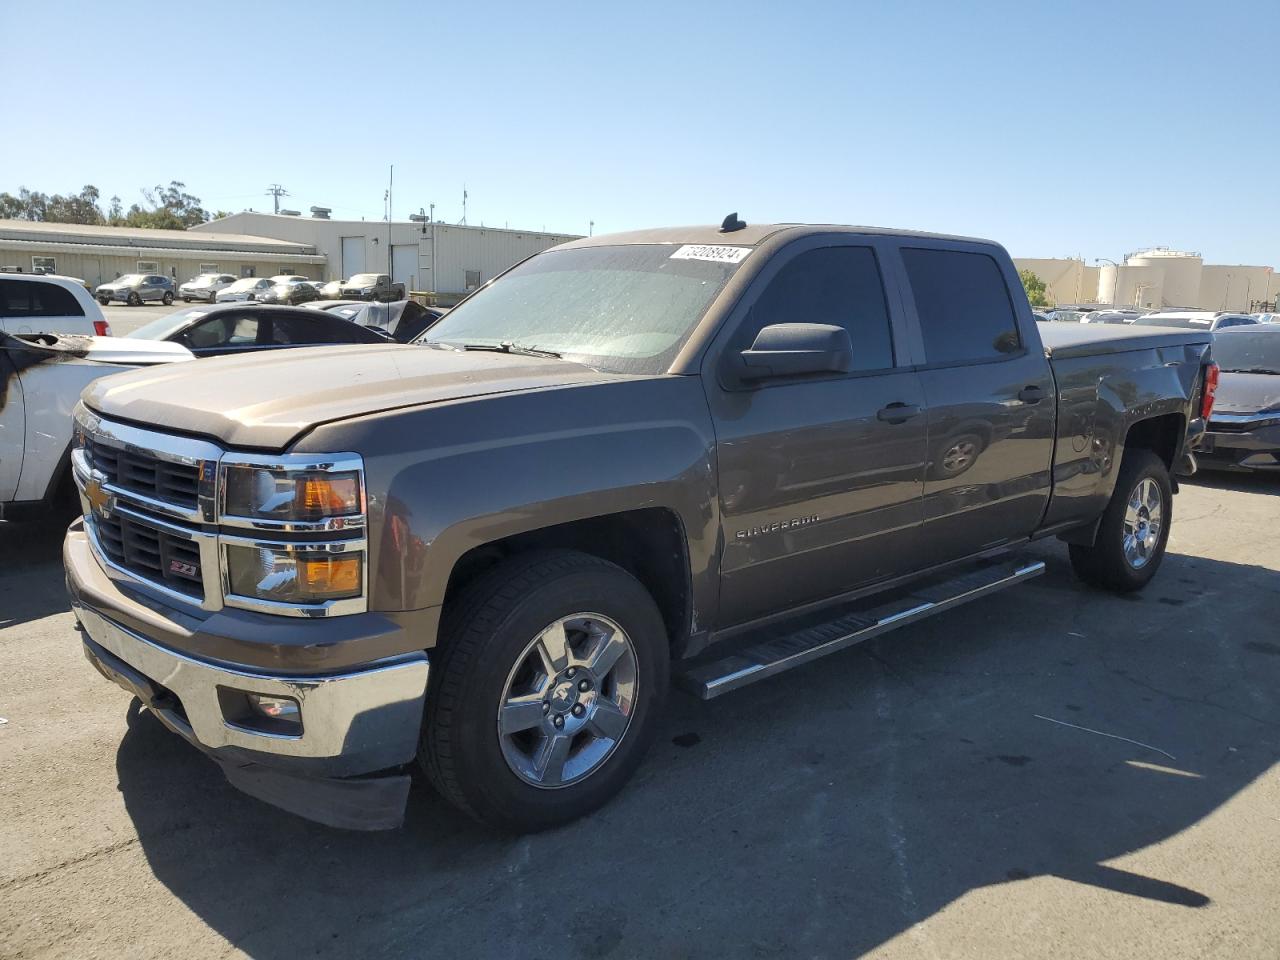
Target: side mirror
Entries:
(795, 349)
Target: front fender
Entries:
(449, 477)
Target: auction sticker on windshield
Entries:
(698, 251)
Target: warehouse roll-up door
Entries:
(404, 265)
(352, 256)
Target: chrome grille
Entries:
(151, 552)
(144, 473)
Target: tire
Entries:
(134, 300)
(186, 299)
(1107, 563)
(167, 299)
(489, 639)
(105, 301)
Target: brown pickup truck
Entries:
(697, 454)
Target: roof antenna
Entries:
(732, 223)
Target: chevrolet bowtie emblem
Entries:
(100, 500)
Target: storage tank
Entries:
(1138, 285)
(1180, 286)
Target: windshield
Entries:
(204, 280)
(625, 309)
(128, 278)
(1248, 352)
(362, 279)
(247, 283)
(164, 327)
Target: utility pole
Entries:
(391, 182)
(276, 192)
(463, 221)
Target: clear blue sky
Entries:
(1058, 129)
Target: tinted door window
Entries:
(292, 331)
(840, 286)
(24, 298)
(222, 330)
(963, 305)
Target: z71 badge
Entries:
(184, 569)
(776, 527)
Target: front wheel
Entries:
(550, 680)
(1134, 530)
(167, 299)
(134, 300)
(105, 301)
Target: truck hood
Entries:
(1247, 393)
(264, 401)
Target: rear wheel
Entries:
(548, 686)
(1134, 530)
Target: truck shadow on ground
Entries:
(32, 585)
(818, 814)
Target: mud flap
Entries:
(374, 803)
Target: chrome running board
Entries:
(774, 649)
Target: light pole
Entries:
(1115, 286)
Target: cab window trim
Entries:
(741, 314)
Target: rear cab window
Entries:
(962, 301)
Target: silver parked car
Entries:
(246, 288)
(205, 287)
(135, 288)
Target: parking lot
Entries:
(931, 793)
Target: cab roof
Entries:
(749, 236)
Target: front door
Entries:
(989, 396)
(820, 477)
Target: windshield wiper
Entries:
(505, 346)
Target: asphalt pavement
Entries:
(1049, 772)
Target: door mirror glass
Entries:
(796, 349)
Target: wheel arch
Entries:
(649, 543)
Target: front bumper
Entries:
(357, 724)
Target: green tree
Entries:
(1035, 288)
(168, 207)
(33, 205)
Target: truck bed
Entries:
(1065, 340)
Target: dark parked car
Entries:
(1244, 431)
(244, 328)
(293, 291)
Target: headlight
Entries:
(306, 496)
(297, 573)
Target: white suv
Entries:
(31, 303)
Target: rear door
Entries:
(989, 395)
(820, 488)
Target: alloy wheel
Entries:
(568, 701)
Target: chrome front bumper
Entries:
(373, 713)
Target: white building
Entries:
(1161, 278)
(437, 257)
(98, 254)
